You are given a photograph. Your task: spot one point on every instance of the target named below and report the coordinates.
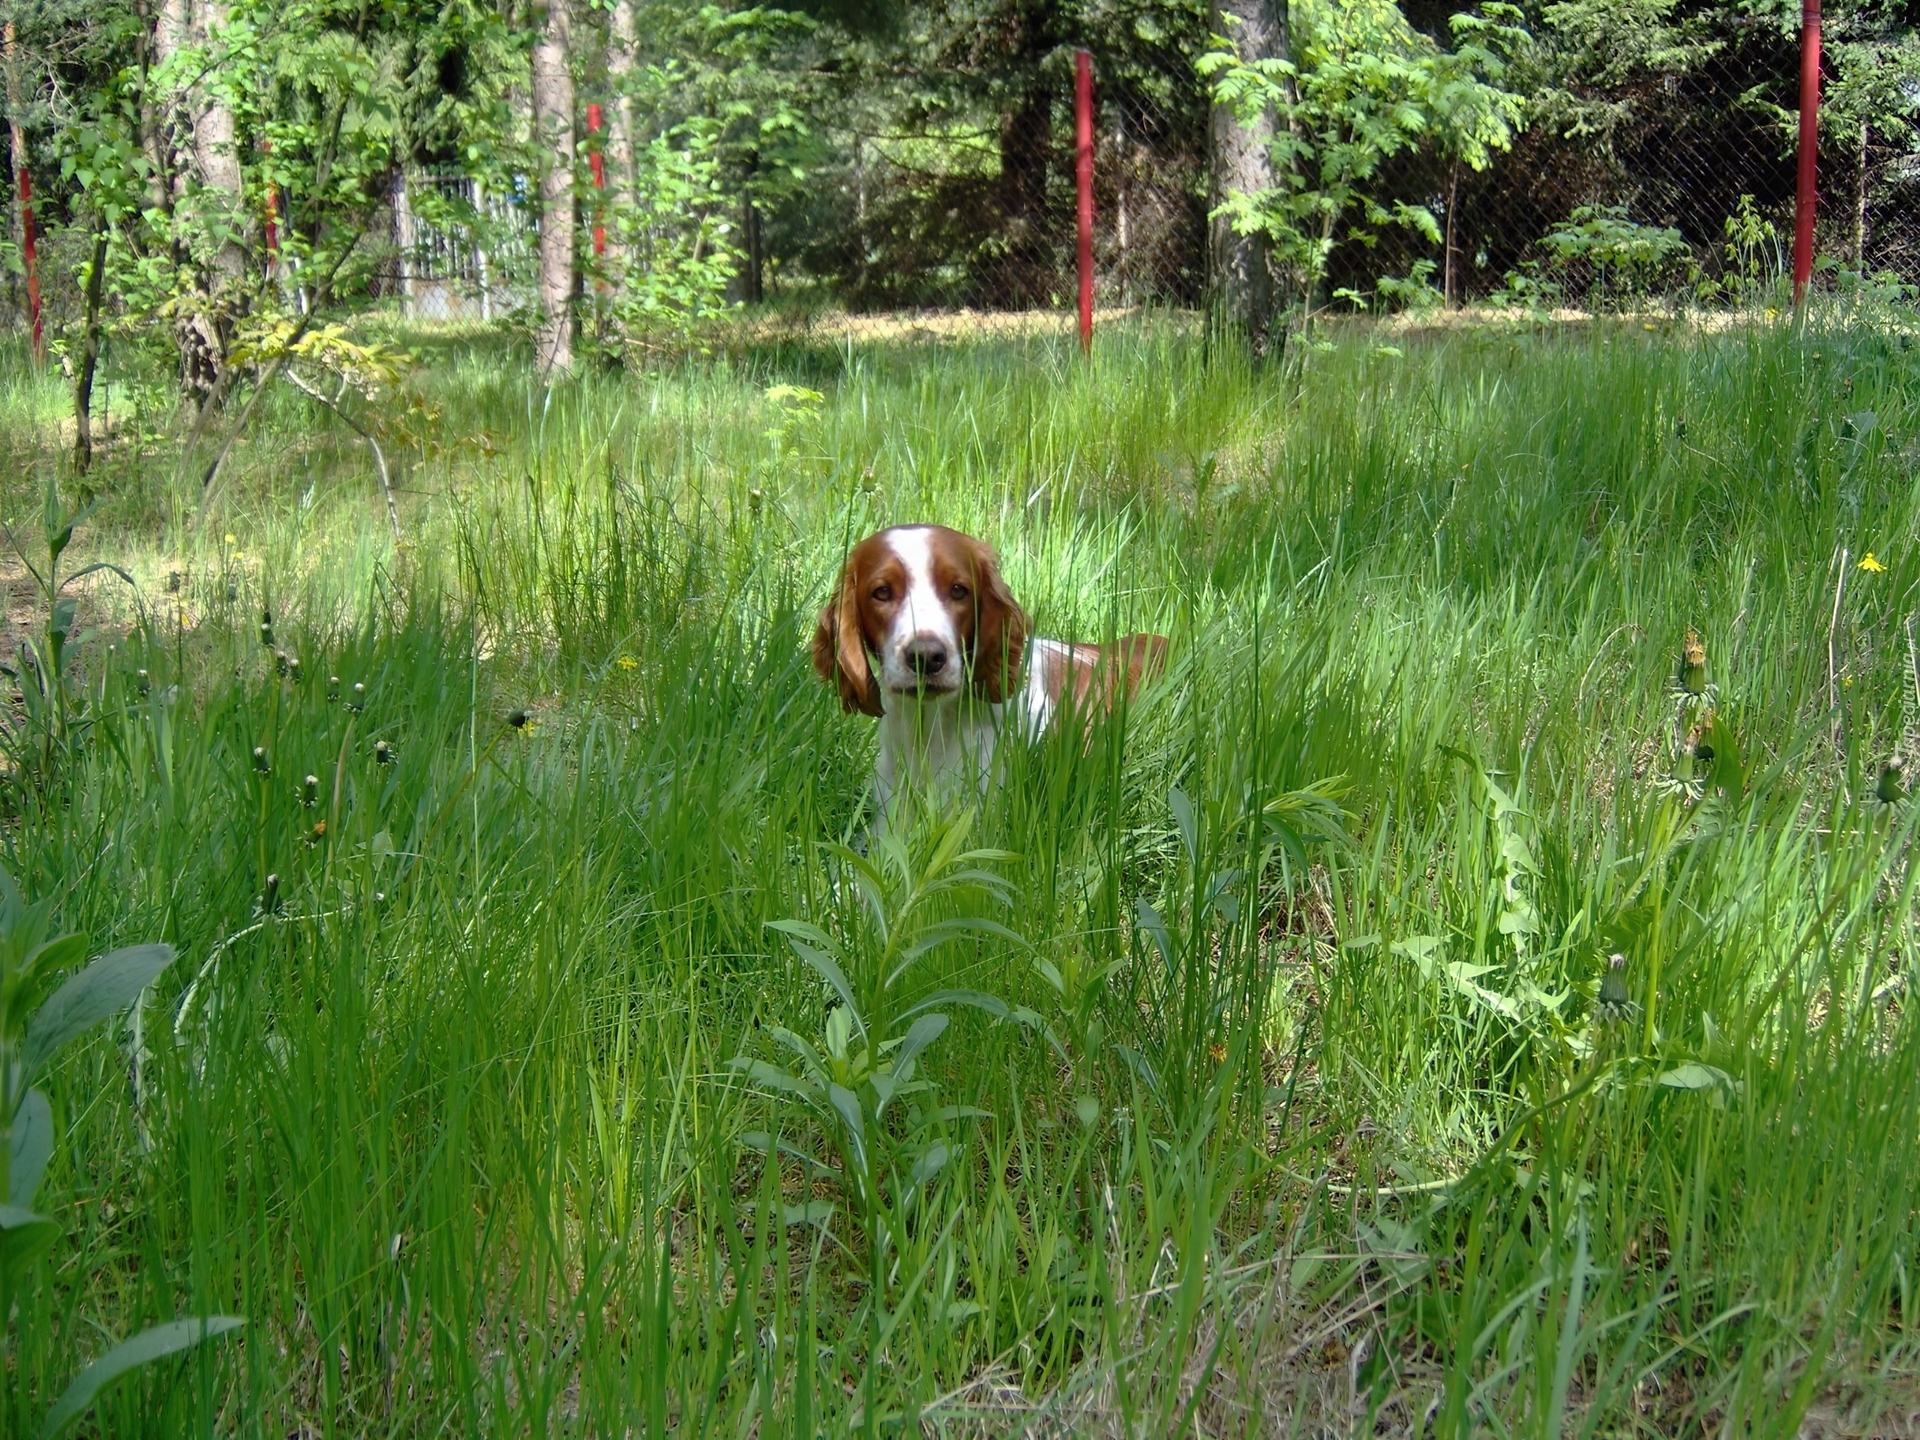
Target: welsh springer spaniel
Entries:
(952, 643)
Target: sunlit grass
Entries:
(1308, 1119)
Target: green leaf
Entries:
(142, 1349)
(979, 1000)
(1419, 949)
(1156, 931)
(30, 1145)
(941, 931)
(759, 1140)
(1183, 816)
(24, 1236)
(1694, 1076)
(55, 954)
(772, 1077)
(827, 967)
(103, 989)
(16, 1217)
(925, 1031)
(928, 1165)
(847, 1105)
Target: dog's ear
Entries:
(999, 629)
(840, 650)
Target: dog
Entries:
(922, 633)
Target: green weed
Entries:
(1438, 1004)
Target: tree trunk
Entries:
(21, 190)
(89, 358)
(1243, 286)
(152, 145)
(553, 141)
(751, 281)
(1028, 273)
(204, 147)
(400, 205)
(622, 41)
(1453, 207)
(1860, 201)
(215, 157)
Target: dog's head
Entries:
(920, 611)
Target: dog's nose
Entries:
(926, 656)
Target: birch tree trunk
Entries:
(622, 42)
(215, 159)
(553, 141)
(169, 38)
(205, 194)
(1242, 279)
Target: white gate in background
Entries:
(467, 257)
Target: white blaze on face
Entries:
(922, 620)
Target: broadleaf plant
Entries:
(912, 893)
(31, 952)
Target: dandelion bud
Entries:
(333, 687)
(358, 701)
(1892, 786)
(141, 682)
(1613, 1000)
(173, 582)
(271, 896)
(383, 753)
(281, 665)
(266, 632)
(754, 499)
(233, 592)
(310, 791)
(260, 760)
(1693, 665)
(518, 719)
(867, 480)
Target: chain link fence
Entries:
(1683, 191)
(1679, 188)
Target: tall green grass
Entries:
(1297, 1113)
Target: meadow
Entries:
(1468, 993)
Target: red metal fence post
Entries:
(597, 163)
(273, 218)
(1083, 175)
(1809, 147)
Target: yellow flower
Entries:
(1871, 565)
(627, 662)
(230, 539)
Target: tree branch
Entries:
(379, 460)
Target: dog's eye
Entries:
(959, 591)
(883, 593)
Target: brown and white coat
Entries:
(922, 633)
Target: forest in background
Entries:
(208, 188)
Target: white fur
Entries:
(922, 616)
(934, 743)
(1037, 711)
